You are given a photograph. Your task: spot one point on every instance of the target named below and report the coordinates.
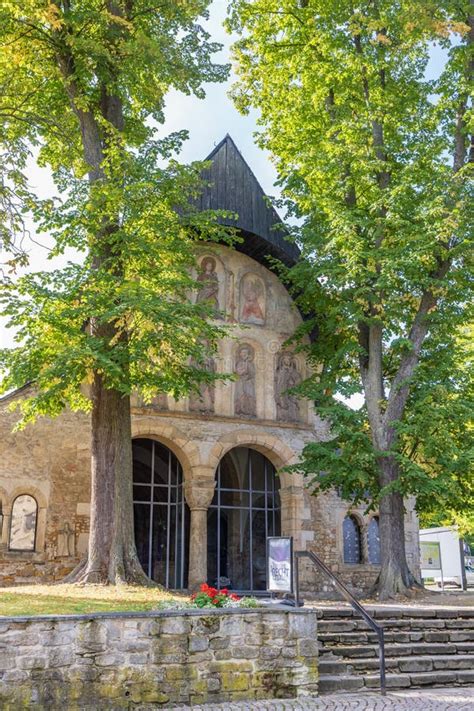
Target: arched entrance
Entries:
(161, 514)
(245, 510)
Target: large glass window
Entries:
(245, 510)
(373, 541)
(351, 538)
(161, 513)
(23, 523)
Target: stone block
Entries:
(465, 676)
(431, 678)
(416, 664)
(61, 657)
(32, 662)
(198, 644)
(213, 684)
(219, 642)
(245, 652)
(455, 661)
(436, 636)
(308, 647)
(106, 660)
(234, 681)
(302, 626)
(392, 681)
(269, 652)
(176, 625)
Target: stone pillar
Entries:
(364, 542)
(5, 532)
(291, 498)
(198, 492)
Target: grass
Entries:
(60, 599)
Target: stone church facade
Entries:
(208, 485)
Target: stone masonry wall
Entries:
(115, 661)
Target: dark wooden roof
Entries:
(232, 186)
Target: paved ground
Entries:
(441, 699)
(422, 598)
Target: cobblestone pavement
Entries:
(441, 699)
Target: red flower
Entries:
(234, 597)
(204, 587)
(224, 591)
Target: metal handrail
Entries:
(346, 593)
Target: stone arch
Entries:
(279, 454)
(185, 449)
(27, 491)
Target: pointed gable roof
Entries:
(232, 186)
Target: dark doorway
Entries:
(245, 510)
(161, 514)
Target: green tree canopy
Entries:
(86, 82)
(373, 158)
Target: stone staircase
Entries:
(423, 647)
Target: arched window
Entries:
(351, 538)
(373, 541)
(161, 515)
(23, 523)
(245, 510)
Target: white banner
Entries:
(280, 564)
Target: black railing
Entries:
(349, 597)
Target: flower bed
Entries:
(212, 597)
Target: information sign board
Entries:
(280, 564)
(430, 555)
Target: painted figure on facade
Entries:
(204, 400)
(208, 292)
(245, 400)
(287, 377)
(252, 300)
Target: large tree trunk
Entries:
(112, 556)
(395, 577)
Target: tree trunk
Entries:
(112, 556)
(395, 577)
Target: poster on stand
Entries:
(280, 564)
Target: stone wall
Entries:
(113, 661)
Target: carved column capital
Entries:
(199, 492)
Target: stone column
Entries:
(364, 542)
(198, 492)
(291, 513)
(5, 531)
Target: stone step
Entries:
(353, 625)
(397, 664)
(393, 613)
(345, 638)
(329, 683)
(395, 650)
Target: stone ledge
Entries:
(161, 613)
